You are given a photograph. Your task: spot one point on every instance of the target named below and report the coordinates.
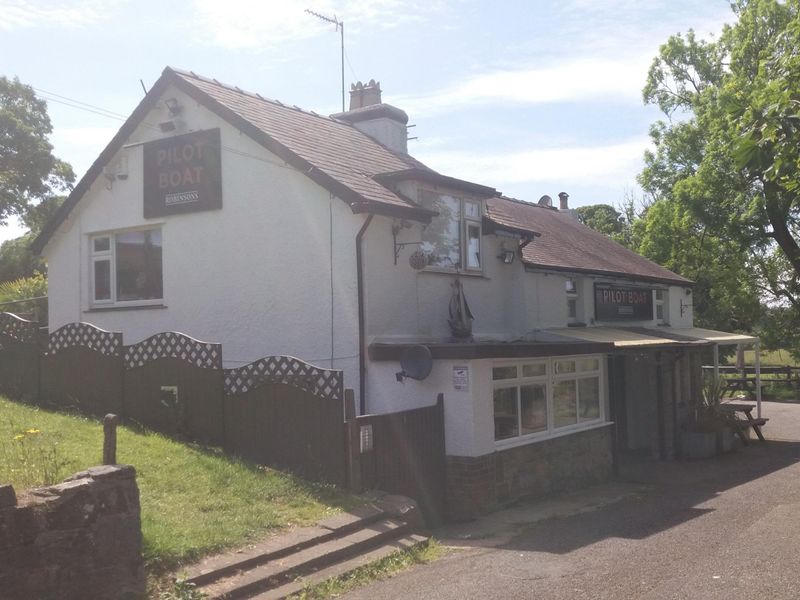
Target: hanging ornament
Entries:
(418, 260)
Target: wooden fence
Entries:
(279, 410)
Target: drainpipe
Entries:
(362, 358)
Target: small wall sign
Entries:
(618, 303)
(182, 174)
(461, 378)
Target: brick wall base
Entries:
(477, 485)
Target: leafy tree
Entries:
(29, 173)
(725, 295)
(32, 180)
(601, 217)
(726, 155)
(17, 260)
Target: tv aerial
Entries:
(334, 20)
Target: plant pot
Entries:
(698, 444)
(726, 439)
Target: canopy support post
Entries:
(757, 348)
(716, 363)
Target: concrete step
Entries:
(280, 571)
(215, 568)
(342, 568)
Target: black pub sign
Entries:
(618, 303)
(182, 174)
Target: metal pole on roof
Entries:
(339, 27)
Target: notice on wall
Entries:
(182, 174)
(618, 303)
(461, 378)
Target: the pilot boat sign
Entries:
(183, 174)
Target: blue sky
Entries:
(530, 97)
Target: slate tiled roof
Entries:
(565, 244)
(336, 148)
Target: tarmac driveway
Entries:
(724, 528)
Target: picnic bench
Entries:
(741, 424)
(731, 385)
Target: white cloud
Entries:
(610, 164)
(582, 79)
(258, 23)
(21, 14)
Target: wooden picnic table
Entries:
(739, 384)
(747, 421)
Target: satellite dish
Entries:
(416, 362)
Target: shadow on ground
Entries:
(679, 491)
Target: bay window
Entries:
(540, 398)
(452, 240)
(126, 267)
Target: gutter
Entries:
(362, 350)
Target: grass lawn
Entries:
(194, 500)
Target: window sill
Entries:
(535, 438)
(435, 271)
(96, 309)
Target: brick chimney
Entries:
(365, 94)
(563, 201)
(382, 122)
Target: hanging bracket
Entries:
(396, 227)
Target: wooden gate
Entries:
(402, 453)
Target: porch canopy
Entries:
(639, 337)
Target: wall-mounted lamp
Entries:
(507, 256)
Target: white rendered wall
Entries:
(469, 428)
(406, 304)
(255, 276)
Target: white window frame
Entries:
(660, 302)
(463, 229)
(110, 255)
(550, 378)
(573, 295)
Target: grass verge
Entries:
(195, 500)
(376, 571)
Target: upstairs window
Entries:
(452, 240)
(571, 288)
(126, 267)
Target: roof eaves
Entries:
(678, 280)
(492, 225)
(431, 176)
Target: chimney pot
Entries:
(563, 198)
(365, 94)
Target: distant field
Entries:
(772, 358)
